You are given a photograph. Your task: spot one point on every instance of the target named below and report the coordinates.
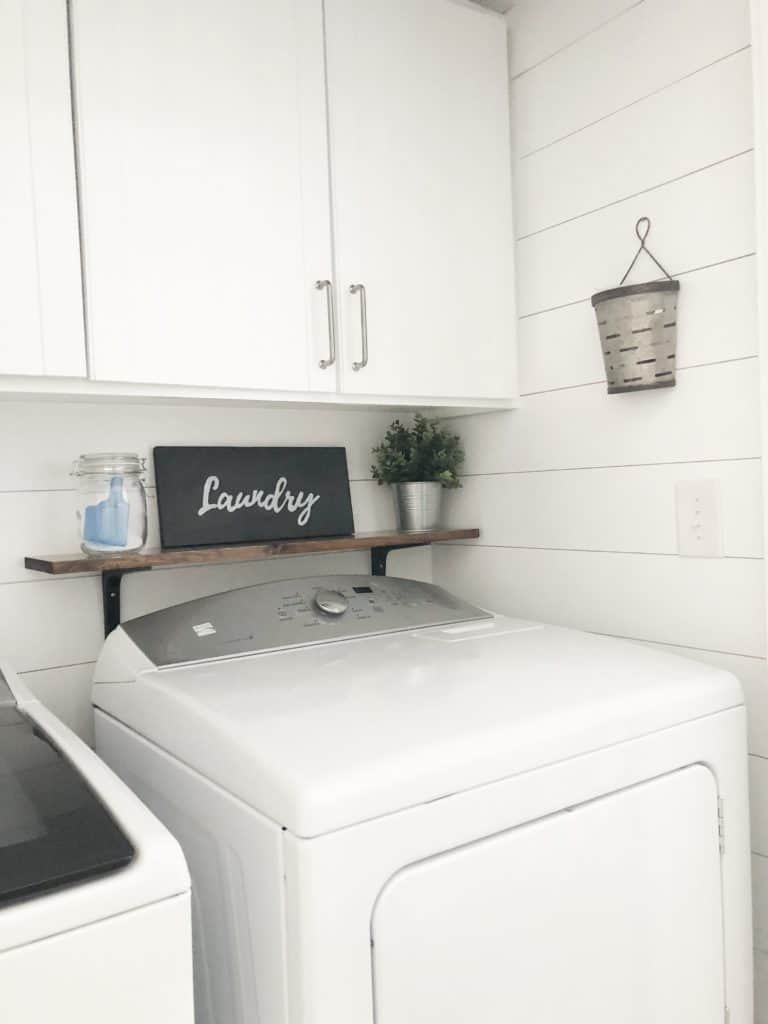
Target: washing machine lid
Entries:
(53, 829)
(320, 737)
(77, 846)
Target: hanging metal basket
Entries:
(638, 328)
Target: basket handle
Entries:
(642, 230)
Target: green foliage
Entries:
(424, 452)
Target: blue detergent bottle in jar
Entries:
(111, 502)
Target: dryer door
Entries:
(607, 913)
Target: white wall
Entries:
(51, 628)
(626, 108)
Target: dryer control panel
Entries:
(293, 613)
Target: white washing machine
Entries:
(398, 808)
(94, 892)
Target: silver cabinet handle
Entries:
(325, 363)
(354, 290)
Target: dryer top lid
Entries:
(66, 818)
(323, 736)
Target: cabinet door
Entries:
(205, 190)
(420, 157)
(41, 314)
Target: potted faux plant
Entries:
(418, 462)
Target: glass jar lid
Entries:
(110, 463)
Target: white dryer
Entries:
(398, 808)
(94, 893)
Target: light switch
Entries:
(699, 532)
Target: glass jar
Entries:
(111, 503)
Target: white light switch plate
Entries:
(699, 531)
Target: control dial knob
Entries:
(331, 602)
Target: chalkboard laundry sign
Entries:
(233, 495)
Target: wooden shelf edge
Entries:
(59, 565)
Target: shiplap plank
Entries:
(760, 901)
(697, 122)
(51, 623)
(629, 510)
(55, 433)
(752, 673)
(717, 320)
(712, 414)
(67, 693)
(694, 602)
(538, 29)
(761, 987)
(570, 262)
(35, 522)
(758, 801)
(410, 563)
(649, 47)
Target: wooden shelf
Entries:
(114, 567)
(58, 565)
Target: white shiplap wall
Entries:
(624, 109)
(51, 627)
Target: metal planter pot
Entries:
(418, 506)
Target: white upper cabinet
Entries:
(210, 194)
(422, 197)
(41, 318)
(204, 170)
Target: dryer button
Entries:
(331, 602)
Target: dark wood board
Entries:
(59, 565)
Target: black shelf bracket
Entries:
(379, 556)
(111, 579)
